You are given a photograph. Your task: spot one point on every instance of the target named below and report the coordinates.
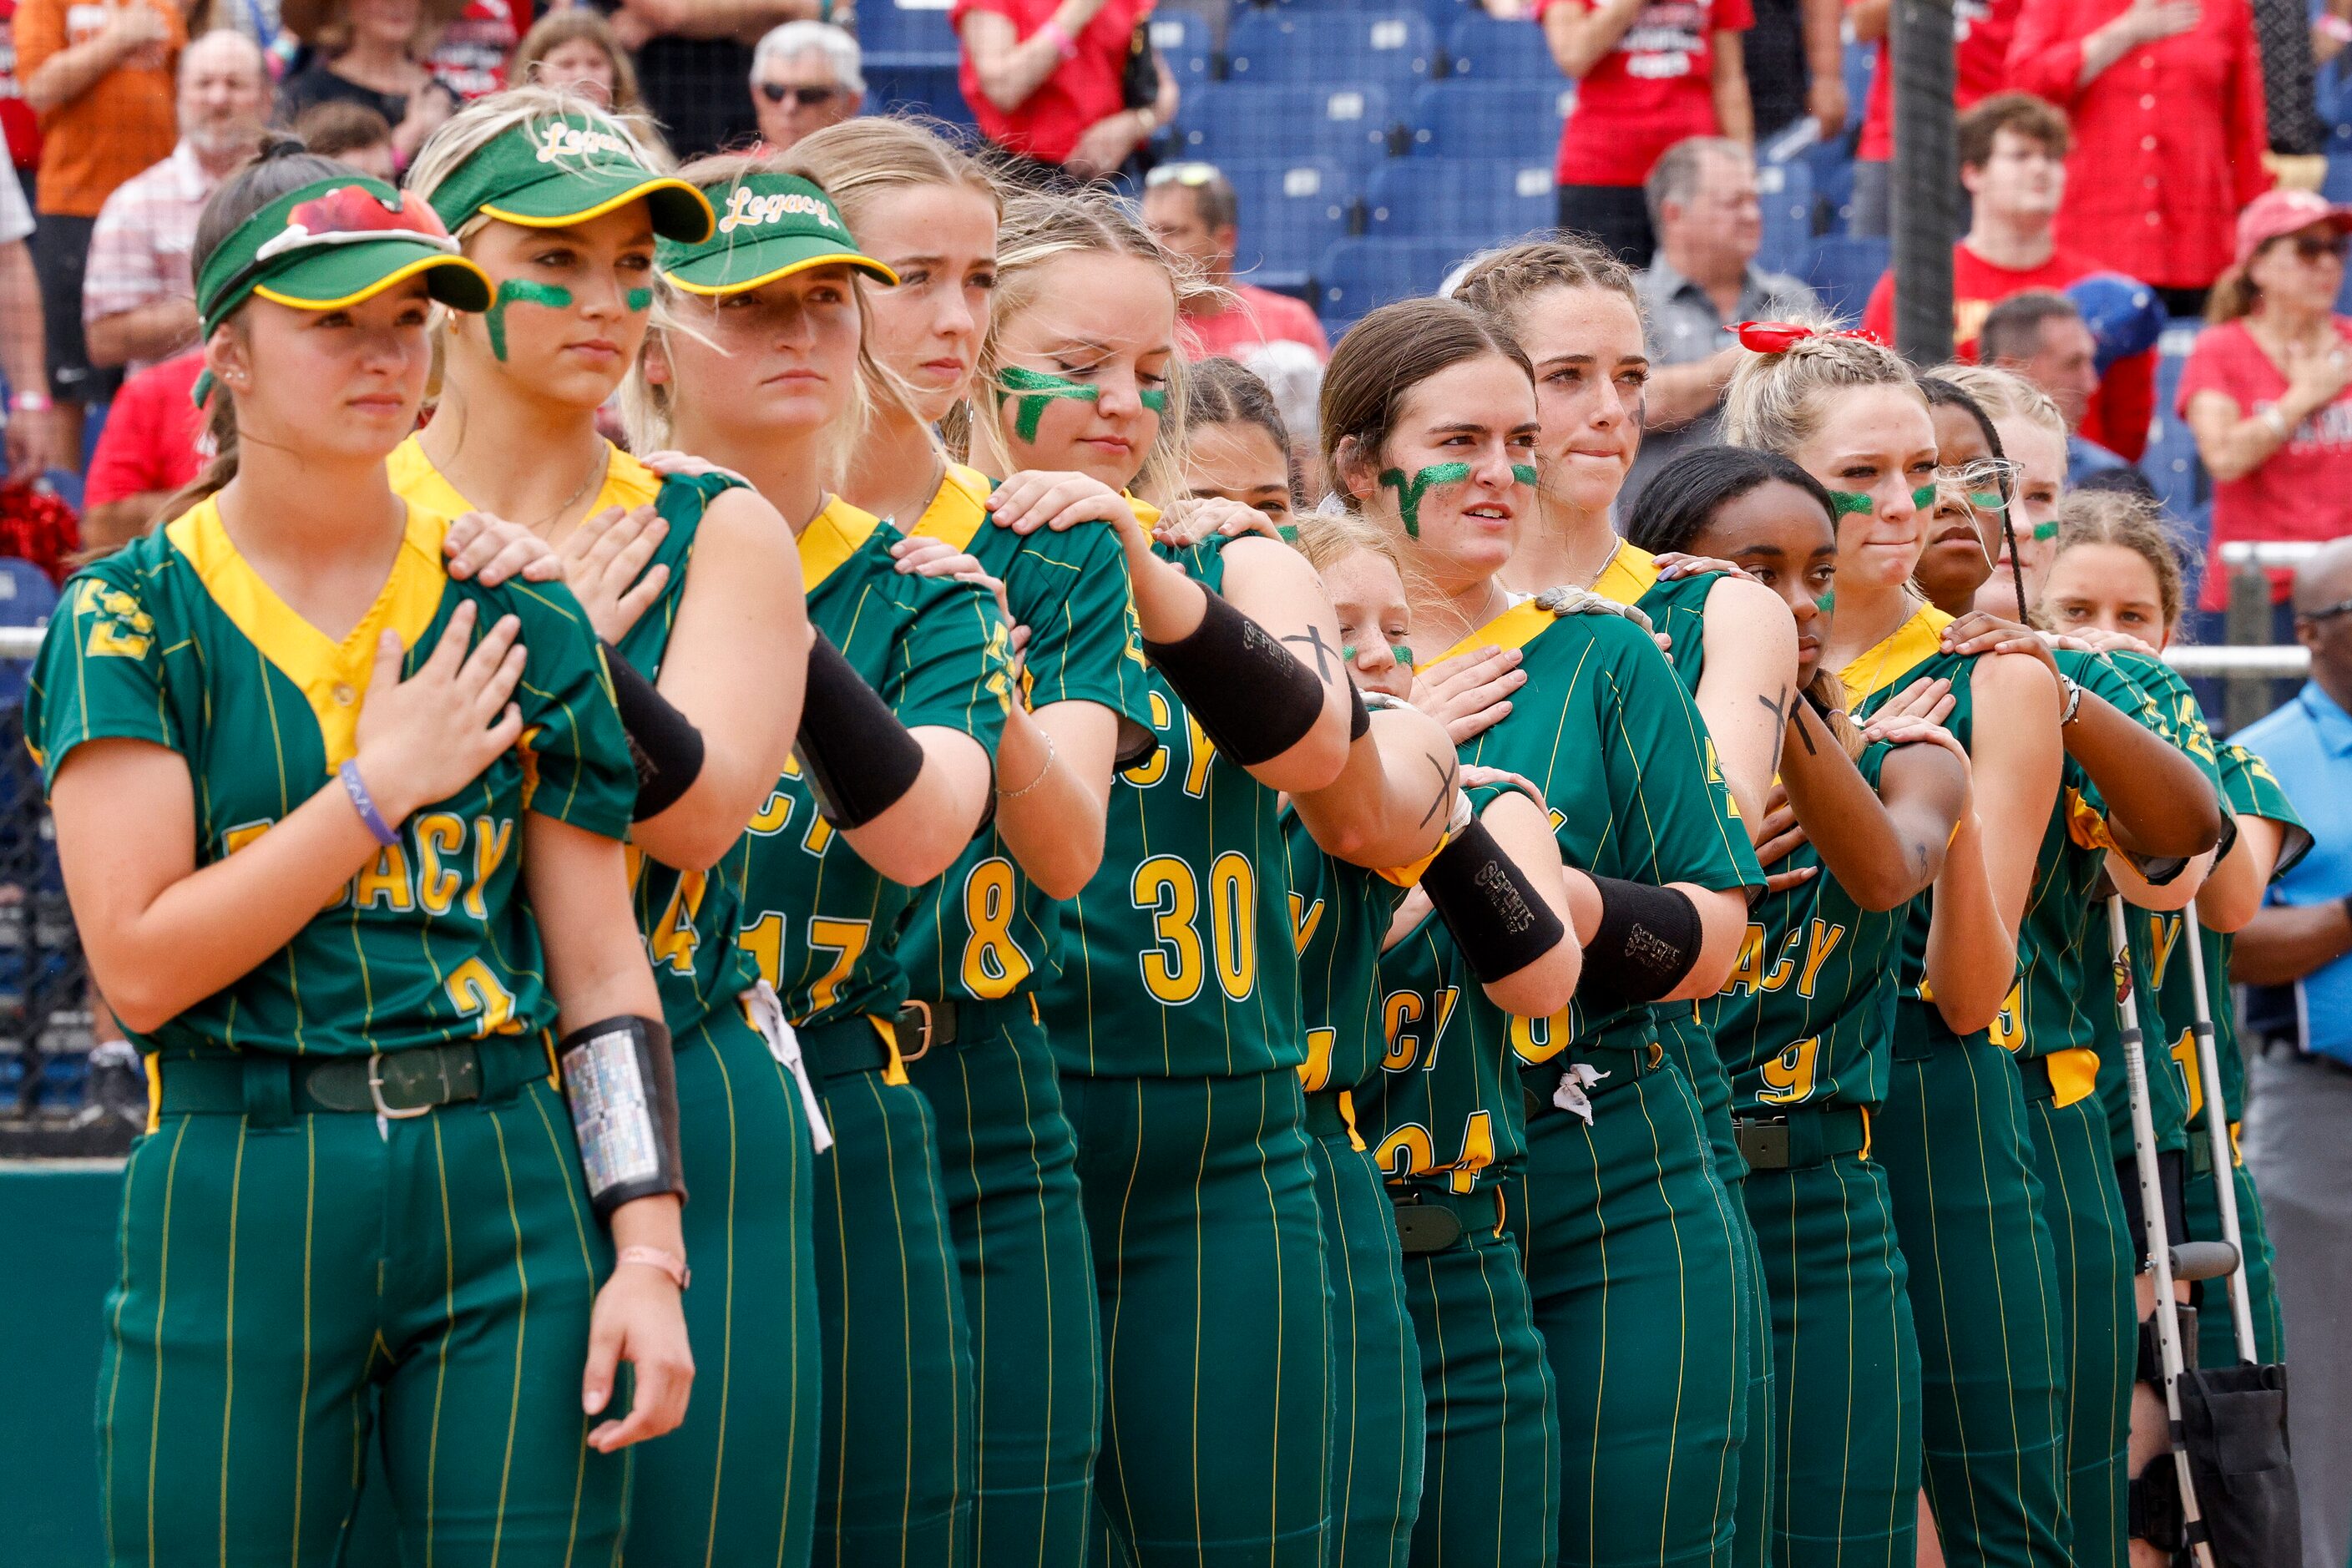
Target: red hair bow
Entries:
(1780, 337)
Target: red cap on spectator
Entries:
(2276, 214)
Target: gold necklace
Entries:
(595, 476)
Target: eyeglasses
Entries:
(2317, 248)
(1181, 174)
(802, 97)
(2324, 613)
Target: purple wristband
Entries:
(364, 803)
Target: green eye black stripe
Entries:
(1827, 601)
(1035, 389)
(1154, 398)
(1409, 492)
(1924, 497)
(1846, 503)
(1401, 654)
(2046, 529)
(1524, 472)
(1986, 501)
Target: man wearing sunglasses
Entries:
(806, 76)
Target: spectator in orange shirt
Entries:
(2013, 165)
(1191, 210)
(99, 76)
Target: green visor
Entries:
(770, 227)
(566, 169)
(333, 243)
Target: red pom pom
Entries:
(36, 525)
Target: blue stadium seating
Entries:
(921, 86)
(1183, 40)
(2170, 462)
(1291, 211)
(1487, 48)
(2337, 183)
(1842, 269)
(1356, 275)
(1222, 120)
(892, 28)
(1393, 47)
(1464, 119)
(1786, 194)
(28, 597)
(1415, 197)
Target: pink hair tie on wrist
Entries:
(1780, 337)
(1059, 37)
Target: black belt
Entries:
(1806, 1136)
(922, 1024)
(845, 1045)
(1431, 1222)
(1324, 1117)
(2035, 1071)
(400, 1083)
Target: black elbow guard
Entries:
(1648, 939)
(1253, 701)
(859, 759)
(665, 745)
(623, 1089)
(1500, 923)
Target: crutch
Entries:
(2195, 1261)
(2217, 1133)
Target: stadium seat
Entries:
(1356, 275)
(1184, 41)
(1786, 194)
(892, 28)
(1488, 48)
(1223, 121)
(1394, 47)
(2170, 462)
(1494, 197)
(1842, 269)
(1465, 118)
(917, 86)
(1292, 209)
(28, 598)
(2337, 183)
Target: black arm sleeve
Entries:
(622, 1087)
(664, 745)
(860, 759)
(1501, 924)
(1253, 701)
(1648, 939)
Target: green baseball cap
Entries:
(333, 243)
(770, 227)
(566, 168)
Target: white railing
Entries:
(2268, 551)
(2289, 662)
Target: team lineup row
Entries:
(1165, 1030)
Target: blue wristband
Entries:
(364, 803)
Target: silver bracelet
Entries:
(2074, 700)
(1044, 768)
(2276, 422)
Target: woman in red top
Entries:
(1648, 73)
(1046, 80)
(2265, 390)
(2165, 96)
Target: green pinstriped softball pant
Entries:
(295, 1287)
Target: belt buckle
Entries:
(1763, 1142)
(911, 1006)
(375, 1093)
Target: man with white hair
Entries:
(139, 297)
(806, 76)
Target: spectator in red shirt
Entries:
(2265, 389)
(469, 56)
(1046, 80)
(1649, 73)
(153, 443)
(1980, 34)
(1191, 208)
(2169, 130)
(2013, 150)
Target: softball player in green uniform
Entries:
(1806, 1023)
(296, 813)
(1572, 307)
(703, 604)
(1176, 1014)
(909, 687)
(1953, 1133)
(981, 938)
(1413, 386)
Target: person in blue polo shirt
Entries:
(2296, 956)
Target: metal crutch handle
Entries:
(2159, 1248)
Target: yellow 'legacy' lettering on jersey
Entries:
(2163, 934)
(437, 880)
(1315, 1072)
(384, 884)
(1825, 939)
(1153, 768)
(2184, 1052)
(491, 842)
(773, 813)
(1198, 754)
(1402, 1007)
(243, 834)
(1747, 969)
(1788, 1076)
(1304, 919)
(1784, 960)
(440, 843)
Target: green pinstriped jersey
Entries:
(1177, 960)
(688, 917)
(174, 640)
(1339, 915)
(1807, 1017)
(1676, 605)
(822, 924)
(1913, 651)
(983, 931)
(1618, 752)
